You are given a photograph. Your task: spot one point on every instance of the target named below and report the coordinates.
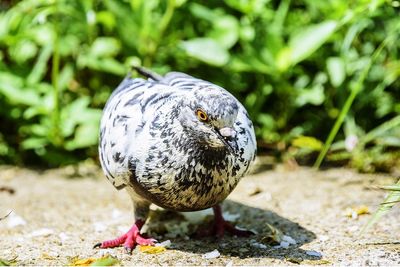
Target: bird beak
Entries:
(227, 133)
(228, 136)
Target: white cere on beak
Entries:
(227, 132)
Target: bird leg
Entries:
(129, 239)
(221, 226)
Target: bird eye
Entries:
(201, 115)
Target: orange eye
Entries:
(201, 115)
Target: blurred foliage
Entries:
(292, 63)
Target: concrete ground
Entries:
(58, 215)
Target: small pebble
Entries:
(14, 220)
(289, 240)
(258, 245)
(323, 238)
(211, 255)
(116, 213)
(284, 244)
(230, 216)
(313, 253)
(165, 244)
(41, 232)
(63, 237)
(99, 227)
(353, 228)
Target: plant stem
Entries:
(349, 101)
(54, 80)
(384, 127)
(165, 20)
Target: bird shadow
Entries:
(257, 220)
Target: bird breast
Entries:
(198, 183)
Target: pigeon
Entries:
(176, 141)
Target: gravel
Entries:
(57, 216)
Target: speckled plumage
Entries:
(153, 144)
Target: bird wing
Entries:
(128, 109)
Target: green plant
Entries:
(292, 63)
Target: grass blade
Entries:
(349, 101)
(392, 199)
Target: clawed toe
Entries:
(145, 241)
(98, 245)
(128, 240)
(128, 250)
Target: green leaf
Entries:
(381, 130)
(207, 50)
(336, 70)
(77, 113)
(4, 263)
(34, 142)
(86, 135)
(105, 47)
(68, 45)
(107, 19)
(306, 41)
(203, 12)
(108, 64)
(106, 261)
(24, 50)
(40, 67)
(314, 96)
(13, 88)
(308, 142)
(66, 75)
(245, 6)
(226, 31)
(43, 34)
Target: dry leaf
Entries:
(46, 256)
(82, 262)
(151, 249)
(103, 261)
(315, 262)
(294, 260)
(354, 212)
(4, 263)
(272, 236)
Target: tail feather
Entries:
(147, 73)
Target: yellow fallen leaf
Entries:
(46, 256)
(152, 249)
(353, 212)
(362, 210)
(315, 262)
(82, 262)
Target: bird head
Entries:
(208, 116)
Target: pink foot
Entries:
(221, 226)
(128, 240)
